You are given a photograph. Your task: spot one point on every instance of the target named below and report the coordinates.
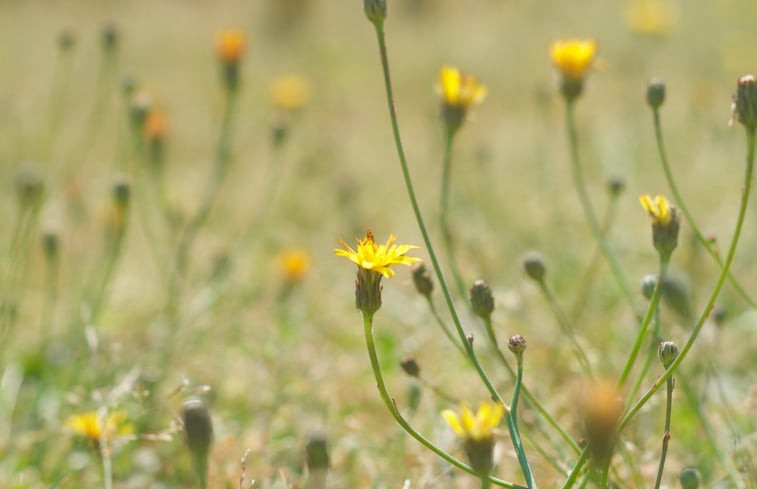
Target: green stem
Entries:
(379, 26)
(707, 244)
(444, 214)
(444, 326)
(653, 303)
(651, 353)
(716, 291)
(573, 476)
(583, 195)
(392, 407)
(567, 328)
(531, 401)
(512, 426)
(666, 434)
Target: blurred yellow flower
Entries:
(377, 258)
(573, 57)
(650, 17)
(230, 45)
(476, 427)
(156, 125)
(294, 264)
(88, 425)
(289, 92)
(458, 89)
(659, 208)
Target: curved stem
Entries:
(444, 214)
(707, 244)
(716, 291)
(666, 434)
(653, 303)
(444, 327)
(379, 26)
(583, 195)
(392, 407)
(512, 425)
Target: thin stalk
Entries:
(106, 465)
(512, 426)
(567, 328)
(110, 260)
(571, 480)
(651, 353)
(707, 244)
(392, 407)
(587, 280)
(531, 401)
(746, 192)
(666, 434)
(583, 195)
(379, 26)
(444, 213)
(653, 303)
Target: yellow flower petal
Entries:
(573, 57)
(379, 258)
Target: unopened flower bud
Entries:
(648, 284)
(422, 279)
(410, 366)
(677, 294)
(375, 10)
(668, 351)
(517, 344)
(121, 191)
(745, 101)
(139, 107)
(316, 453)
(198, 429)
(66, 40)
(616, 185)
(534, 265)
(689, 478)
(481, 299)
(50, 245)
(110, 37)
(30, 187)
(655, 92)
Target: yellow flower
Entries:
(475, 427)
(573, 57)
(294, 264)
(156, 125)
(377, 258)
(230, 45)
(88, 425)
(289, 92)
(458, 89)
(649, 17)
(659, 208)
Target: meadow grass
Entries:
(160, 276)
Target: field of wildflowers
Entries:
(540, 214)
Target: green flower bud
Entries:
(30, 187)
(745, 101)
(110, 37)
(517, 344)
(198, 429)
(316, 452)
(482, 300)
(410, 366)
(689, 478)
(655, 92)
(668, 351)
(648, 284)
(616, 185)
(375, 10)
(422, 279)
(534, 265)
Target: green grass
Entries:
(282, 362)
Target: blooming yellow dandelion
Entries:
(573, 57)
(90, 426)
(294, 264)
(374, 262)
(665, 223)
(478, 426)
(477, 432)
(459, 92)
(378, 258)
(650, 17)
(659, 208)
(289, 92)
(230, 45)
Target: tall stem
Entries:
(666, 434)
(512, 426)
(444, 213)
(596, 229)
(379, 26)
(746, 192)
(392, 407)
(707, 244)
